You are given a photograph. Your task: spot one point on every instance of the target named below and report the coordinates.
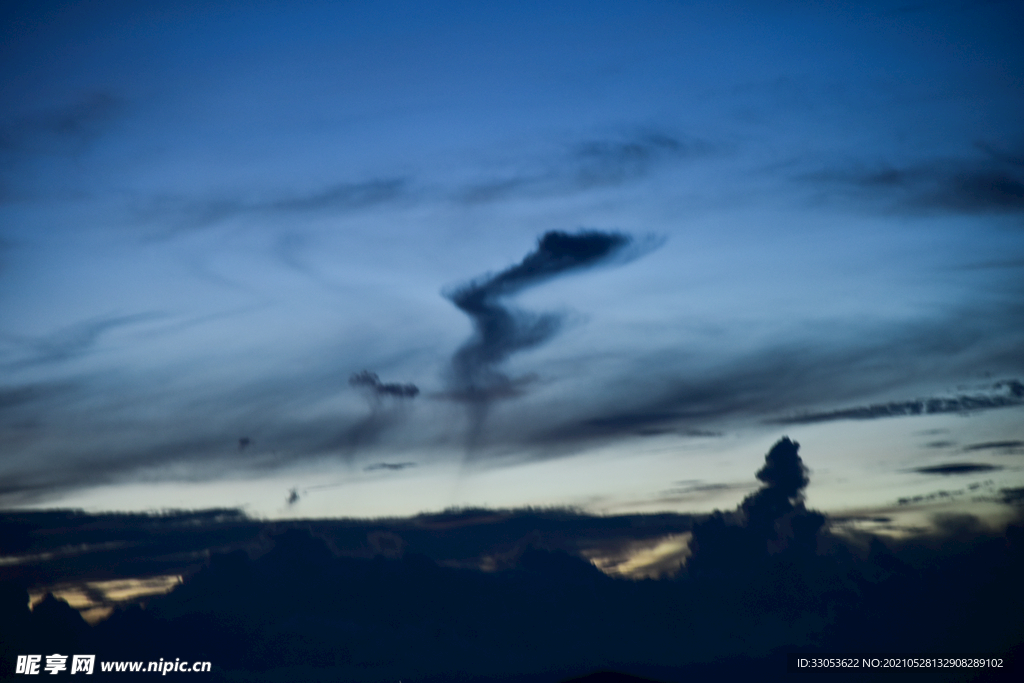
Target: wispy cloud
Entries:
(954, 468)
(74, 340)
(587, 165)
(1002, 395)
(174, 214)
(995, 445)
(993, 184)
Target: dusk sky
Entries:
(366, 259)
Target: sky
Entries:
(371, 259)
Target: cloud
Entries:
(371, 381)
(957, 468)
(609, 162)
(771, 521)
(394, 466)
(991, 185)
(1003, 394)
(589, 164)
(134, 428)
(74, 340)
(134, 420)
(386, 411)
(797, 382)
(178, 214)
(338, 197)
(943, 495)
(500, 330)
(1013, 496)
(994, 445)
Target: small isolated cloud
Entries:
(388, 406)
(394, 466)
(371, 381)
(957, 468)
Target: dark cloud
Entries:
(590, 164)
(122, 446)
(394, 466)
(994, 184)
(666, 392)
(994, 445)
(770, 521)
(977, 490)
(135, 427)
(640, 423)
(699, 487)
(371, 381)
(784, 473)
(957, 468)
(1003, 394)
(386, 411)
(499, 330)
(1012, 496)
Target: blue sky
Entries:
(213, 214)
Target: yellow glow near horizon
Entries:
(115, 592)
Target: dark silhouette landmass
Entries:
(765, 580)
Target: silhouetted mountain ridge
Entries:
(765, 579)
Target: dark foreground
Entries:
(764, 581)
